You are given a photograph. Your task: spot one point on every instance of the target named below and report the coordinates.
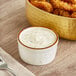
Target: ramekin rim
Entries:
(57, 38)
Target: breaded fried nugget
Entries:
(70, 1)
(46, 6)
(73, 1)
(36, 0)
(60, 4)
(61, 12)
(73, 15)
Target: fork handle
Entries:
(10, 70)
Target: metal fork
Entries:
(4, 66)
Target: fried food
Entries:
(61, 12)
(46, 6)
(36, 0)
(66, 8)
(73, 1)
(73, 15)
(59, 4)
(70, 1)
(66, 1)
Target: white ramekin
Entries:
(37, 56)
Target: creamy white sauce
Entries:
(37, 37)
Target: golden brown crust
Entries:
(36, 0)
(61, 12)
(70, 1)
(63, 5)
(43, 5)
(73, 1)
(73, 15)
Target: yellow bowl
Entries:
(64, 26)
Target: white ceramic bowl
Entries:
(37, 56)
